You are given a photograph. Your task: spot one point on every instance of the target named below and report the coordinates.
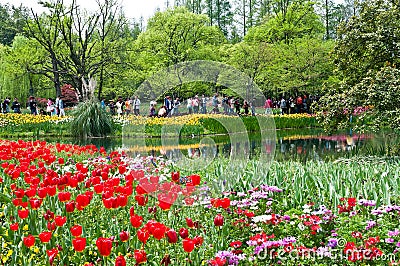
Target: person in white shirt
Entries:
(190, 106)
(203, 104)
(195, 104)
(119, 105)
(136, 106)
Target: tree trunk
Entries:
(56, 74)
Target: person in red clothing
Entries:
(268, 106)
(299, 104)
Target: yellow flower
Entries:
(25, 228)
(36, 250)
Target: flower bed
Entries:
(210, 123)
(71, 205)
(34, 124)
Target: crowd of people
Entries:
(53, 107)
(228, 105)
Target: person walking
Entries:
(253, 106)
(189, 106)
(128, 106)
(50, 106)
(283, 105)
(246, 107)
(136, 106)
(16, 106)
(33, 105)
(203, 104)
(61, 112)
(5, 105)
(195, 104)
(175, 110)
(119, 106)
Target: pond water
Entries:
(310, 144)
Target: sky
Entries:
(132, 8)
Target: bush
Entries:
(90, 120)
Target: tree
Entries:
(11, 22)
(220, 14)
(368, 41)
(45, 30)
(176, 36)
(370, 104)
(80, 45)
(295, 21)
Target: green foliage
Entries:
(90, 120)
(176, 36)
(369, 40)
(372, 102)
(11, 22)
(303, 66)
(299, 20)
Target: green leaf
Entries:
(4, 198)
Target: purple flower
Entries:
(389, 240)
(370, 224)
(394, 233)
(366, 203)
(332, 243)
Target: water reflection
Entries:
(289, 144)
(317, 146)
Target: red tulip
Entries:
(52, 253)
(70, 206)
(79, 243)
(64, 196)
(122, 200)
(104, 245)
(188, 245)
(183, 232)
(61, 160)
(159, 231)
(42, 192)
(45, 237)
(175, 176)
(219, 220)
(124, 236)
(132, 211)
(172, 236)
(60, 220)
(29, 241)
(141, 200)
(121, 169)
(217, 262)
(19, 193)
(51, 226)
(198, 241)
(14, 227)
(23, 214)
(189, 223)
(195, 180)
(136, 221)
(51, 190)
(120, 261)
(82, 201)
(35, 203)
(140, 256)
(143, 235)
(76, 230)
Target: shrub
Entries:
(90, 120)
